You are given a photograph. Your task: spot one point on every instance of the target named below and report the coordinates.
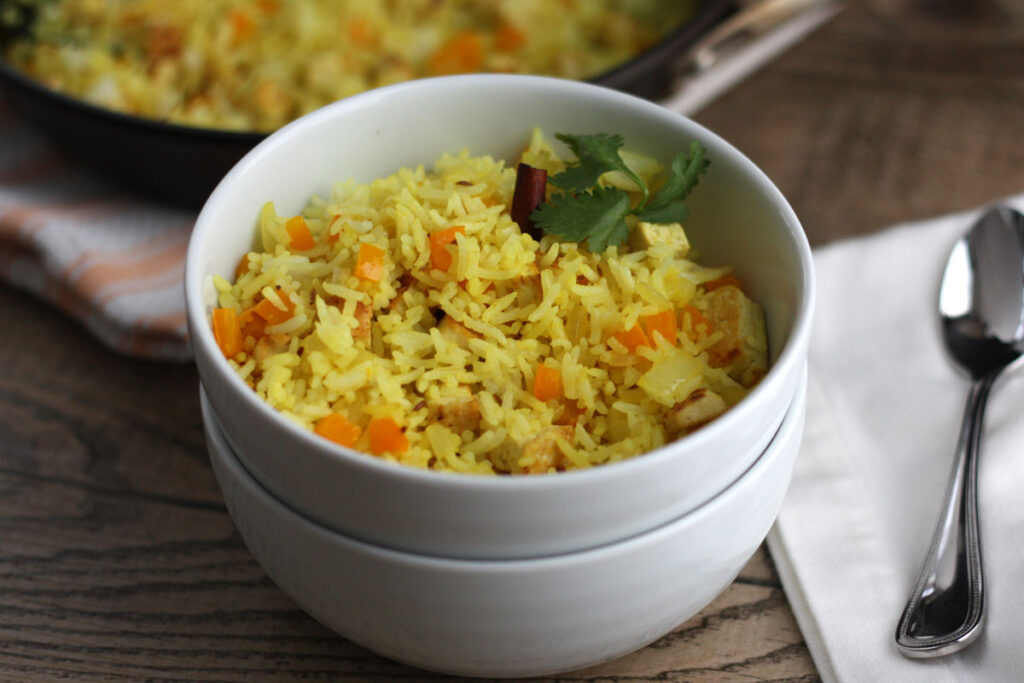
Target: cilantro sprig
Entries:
(586, 210)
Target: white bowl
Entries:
(528, 617)
(738, 217)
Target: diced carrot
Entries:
(163, 41)
(440, 257)
(359, 31)
(571, 413)
(227, 331)
(463, 53)
(338, 429)
(269, 311)
(508, 38)
(664, 323)
(633, 338)
(131, 19)
(697, 320)
(252, 325)
(370, 262)
(547, 383)
(723, 281)
(241, 25)
(299, 234)
(386, 436)
(242, 268)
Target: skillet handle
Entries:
(751, 21)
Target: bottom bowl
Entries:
(511, 618)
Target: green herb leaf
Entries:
(599, 216)
(667, 205)
(586, 210)
(672, 212)
(596, 155)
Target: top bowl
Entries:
(738, 218)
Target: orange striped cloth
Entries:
(113, 262)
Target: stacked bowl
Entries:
(516, 575)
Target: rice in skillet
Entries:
(257, 64)
(411, 318)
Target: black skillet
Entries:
(182, 164)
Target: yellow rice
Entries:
(524, 302)
(256, 64)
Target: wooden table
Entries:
(117, 559)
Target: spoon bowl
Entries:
(981, 306)
(982, 295)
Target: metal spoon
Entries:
(981, 303)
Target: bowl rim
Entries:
(792, 422)
(201, 336)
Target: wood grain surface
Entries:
(118, 561)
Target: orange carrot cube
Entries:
(547, 383)
(463, 53)
(338, 429)
(440, 257)
(664, 323)
(227, 331)
(299, 235)
(386, 436)
(370, 262)
(633, 338)
(269, 311)
(698, 323)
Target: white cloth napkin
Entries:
(883, 415)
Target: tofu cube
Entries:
(743, 350)
(644, 235)
(697, 409)
(461, 414)
(544, 449)
(456, 332)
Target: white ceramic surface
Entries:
(738, 217)
(528, 617)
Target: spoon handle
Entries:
(944, 612)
